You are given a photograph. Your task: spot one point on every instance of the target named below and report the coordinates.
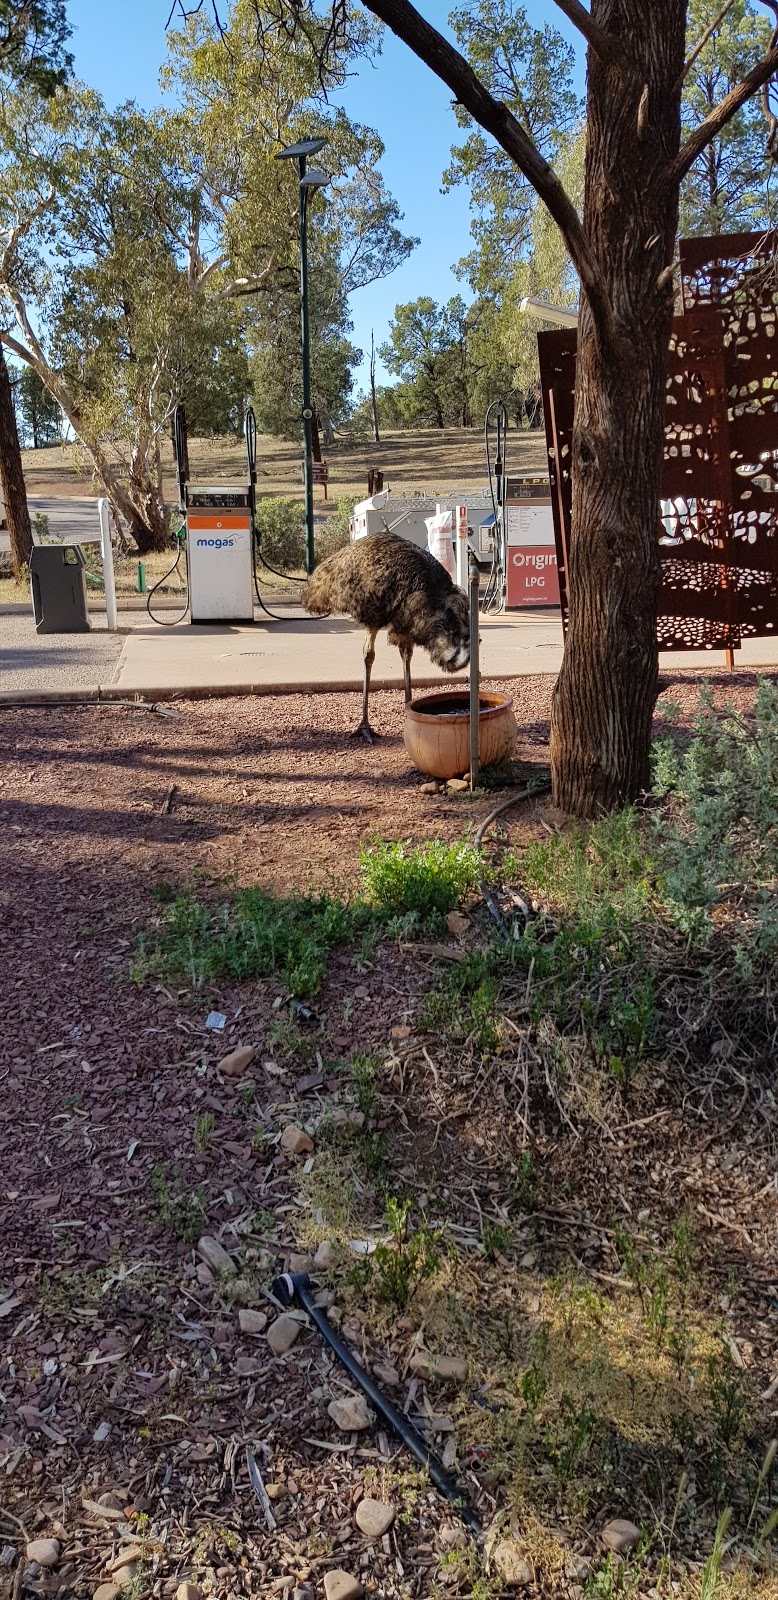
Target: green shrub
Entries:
(281, 528)
(424, 880)
(335, 533)
(249, 936)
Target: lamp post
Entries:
(309, 179)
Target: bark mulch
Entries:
(128, 1392)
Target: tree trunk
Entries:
(12, 476)
(605, 695)
(373, 397)
(315, 436)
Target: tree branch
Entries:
(609, 50)
(452, 68)
(701, 43)
(723, 113)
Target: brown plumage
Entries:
(383, 581)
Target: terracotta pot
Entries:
(437, 731)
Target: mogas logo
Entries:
(215, 544)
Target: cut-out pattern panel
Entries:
(718, 524)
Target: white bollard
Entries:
(109, 576)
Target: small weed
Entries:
(247, 1093)
(711, 1572)
(396, 1269)
(363, 1076)
(496, 1237)
(203, 1132)
(523, 1182)
(463, 1004)
(180, 1208)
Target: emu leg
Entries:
(406, 651)
(364, 730)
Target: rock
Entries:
(44, 1551)
(457, 923)
(325, 1256)
(205, 1276)
(283, 1333)
(237, 1061)
(300, 1263)
(340, 1585)
(374, 1518)
(189, 1591)
(448, 1369)
(452, 1536)
(356, 1119)
(129, 1555)
(275, 1491)
(247, 1366)
(512, 1564)
(458, 785)
(215, 1256)
(429, 788)
(250, 1321)
(385, 1373)
(126, 1575)
(106, 1591)
(401, 1032)
(295, 1141)
(302, 1594)
(620, 1536)
(351, 1414)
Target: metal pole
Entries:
(475, 675)
(306, 343)
(109, 576)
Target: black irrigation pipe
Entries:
(529, 793)
(297, 1286)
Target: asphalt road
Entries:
(72, 521)
(30, 661)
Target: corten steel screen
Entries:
(718, 523)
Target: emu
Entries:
(383, 581)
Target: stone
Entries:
(247, 1367)
(44, 1551)
(275, 1491)
(251, 1321)
(512, 1564)
(106, 1591)
(429, 788)
(448, 1369)
(374, 1518)
(302, 1594)
(237, 1061)
(458, 785)
(457, 923)
(126, 1575)
(299, 1262)
(189, 1591)
(215, 1256)
(386, 1373)
(130, 1554)
(295, 1141)
(620, 1535)
(352, 1414)
(339, 1585)
(325, 1256)
(452, 1536)
(402, 1031)
(283, 1333)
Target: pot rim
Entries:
(415, 712)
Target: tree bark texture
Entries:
(606, 691)
(12, 476)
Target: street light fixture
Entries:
(309, 180)
(561, 315)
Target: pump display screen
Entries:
(218, 499)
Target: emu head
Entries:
(449, 634)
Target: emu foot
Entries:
(364, 731)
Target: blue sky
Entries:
(119, 46)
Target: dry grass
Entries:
(430, 461)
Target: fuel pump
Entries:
(496, 422)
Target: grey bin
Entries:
(59, 588)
